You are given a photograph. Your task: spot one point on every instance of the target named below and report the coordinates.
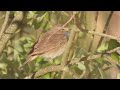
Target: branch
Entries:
(53, 68)
(93, 57)
(73, 74)
(10, 30)
(113, 50)
(74, 13)
(68, 46)
(85, 58)
(5, 23)
(105, 35)
(100, 34)
(47, 70)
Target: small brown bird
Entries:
(50, 44)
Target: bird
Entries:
(50, 44)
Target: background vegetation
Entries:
(93, 54)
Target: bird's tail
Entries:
(29, 59)
(24, 64)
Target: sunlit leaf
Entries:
(47, 76)
(81, 66)
(115, 56)
(31, 14)
(99, 60)
(102, 47)
(3, 67)
(40, 18)
(57, 61)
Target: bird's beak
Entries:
(66, 29)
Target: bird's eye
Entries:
(66, 33)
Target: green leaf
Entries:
(99, 60)
(102, 47)
(39, 19)
(47, 76)
(115, 56)
(3, 68)
(81, 66)
(113, 44)
(57, 61)
(31, 14)
(30, 22)
(39, 59)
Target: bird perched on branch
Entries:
(50, 44)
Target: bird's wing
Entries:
(46, 44)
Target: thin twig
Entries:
(67, 50)
(113, 50)
(109, 59)
(68, 46)
(93, 57)
(83, 73)
(5, 23)
(48, 69)
(69, 19)
(88, 58)
(104, 35)
(63, 75)
(100, 34)
(100, 71)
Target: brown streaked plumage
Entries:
(50, 45)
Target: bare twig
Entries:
(83, 73)
(113, 50)
(88, 58)
(104, 35)
(66, 53)
(69, 19)
(109, 59)
(63, 75)
(68, 46)
(53, 68)
(47, 70)
(93, 57)
(5, 23)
